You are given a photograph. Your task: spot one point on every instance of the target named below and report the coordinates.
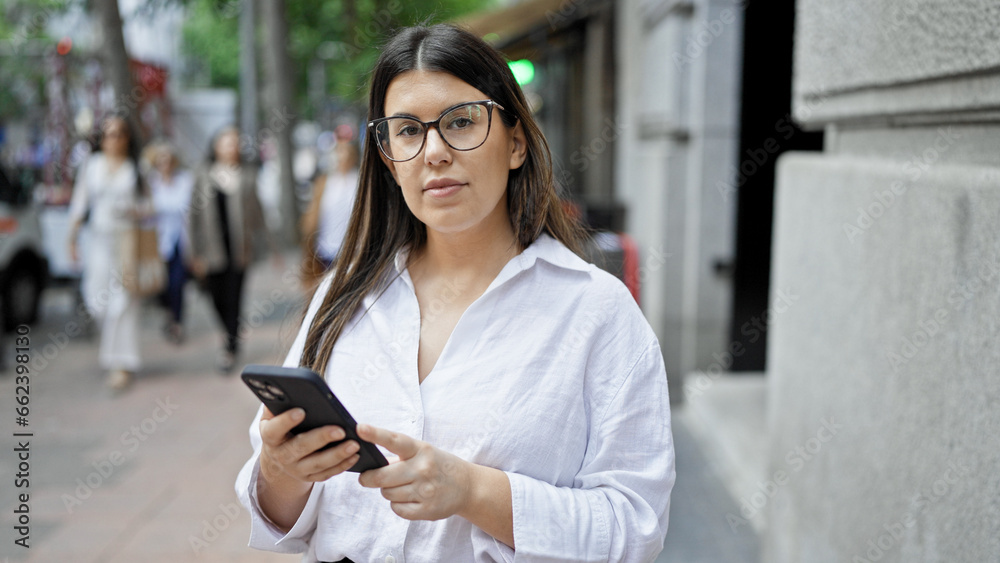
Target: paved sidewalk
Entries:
(699, 532)
(148, 475)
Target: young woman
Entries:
(324, 224)
(518, 390)
(171, 187)
(107, 197)
(224, 219)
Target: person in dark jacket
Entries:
(224, 218)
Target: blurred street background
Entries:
(801, 195)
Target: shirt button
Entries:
(390, 559)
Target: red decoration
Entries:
(152, 79)
(64, 46)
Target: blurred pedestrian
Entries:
(324, 224)
(109, 198)
(224, 220)
(171, 187)
(269, 183)
(520, 389)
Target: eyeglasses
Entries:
(463, 127)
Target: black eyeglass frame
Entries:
(437, 125)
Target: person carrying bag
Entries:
(107, 197)
(143, 271)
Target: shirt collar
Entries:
(552, 251)
(544, 248)
(401, 257)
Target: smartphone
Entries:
(281, 388)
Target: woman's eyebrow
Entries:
(446, 108)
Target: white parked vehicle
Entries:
(24, 268)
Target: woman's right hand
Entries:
(287, 456)
(198, 268)
(71, 243)
(290, 464)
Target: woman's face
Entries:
(227, 148)
(345, 157)
(164, 162)
(472, 194)
(115, 139)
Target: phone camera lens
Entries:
(275, 390)
(256, 384)
(265, 395)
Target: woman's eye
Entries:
(407, 131)
(460, 123)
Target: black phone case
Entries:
(281, 388)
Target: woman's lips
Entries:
(443, 191)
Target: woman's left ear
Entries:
(519, 147)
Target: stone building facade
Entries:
(884, 377)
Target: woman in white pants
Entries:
(105, 198)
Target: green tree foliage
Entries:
(23, 46)
(342, 35)
(212, 43)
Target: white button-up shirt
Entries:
(335, 208)
(171, 200)
(108, 196)
(552, 375)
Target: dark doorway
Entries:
(766, 131)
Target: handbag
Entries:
(143, 271)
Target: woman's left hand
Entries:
(425, 483)
(141, 211)
(277, 261)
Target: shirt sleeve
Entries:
(194, 223)
(255, 213)
(80, 200)
(263, 533)
(185, 182)
(256, 220)
(618, 507)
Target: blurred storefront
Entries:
(570, 49)
(665, 119)
(641, 141)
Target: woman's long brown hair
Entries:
(381, 224)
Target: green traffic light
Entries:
(524, 71)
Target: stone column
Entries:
(884, 363)
(678, 70)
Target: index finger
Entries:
(273, 430)
(400, 444)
